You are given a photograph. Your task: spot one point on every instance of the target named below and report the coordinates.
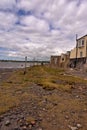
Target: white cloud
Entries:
(7, 20)
(49, 27)
(35, 24)
(7, 4)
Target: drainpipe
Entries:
(76, 51)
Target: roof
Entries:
(81, 37)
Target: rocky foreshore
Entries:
(47, 110)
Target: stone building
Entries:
(74, 58)
(60, 61)
(64, 60)
(55, 61)
(78, 55)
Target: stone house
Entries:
(64, 60)
(78, 55)
(55, 61)
(60, 61)
(74, 58)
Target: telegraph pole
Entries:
(34, 61)
(25, 64)
(76, 50)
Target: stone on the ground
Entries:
(73, 128)
(40, 129)
(7, 123)
(30, 127)
(16, 128)
(24, 128)
(33, 122)
(79, 125)
(66, 117)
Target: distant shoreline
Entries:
(24, 61)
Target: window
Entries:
(62, 59)
(80, 43)
(81, 54)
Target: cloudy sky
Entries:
(40, 28)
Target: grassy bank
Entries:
(16, 88)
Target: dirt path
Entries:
(48, 110)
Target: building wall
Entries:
(63, 58)
(60, 61)
(73, 53)
(70, 59)
(55, 61)
(80, 49)
(64, 61)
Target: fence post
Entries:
(25, 64)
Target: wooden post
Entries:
(34, 61)
(25, 65)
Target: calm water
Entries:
(14, 64)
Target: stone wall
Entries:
(60, 61)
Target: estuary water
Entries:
(14, 64)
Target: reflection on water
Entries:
(14, 64)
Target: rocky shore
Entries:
(47, 110)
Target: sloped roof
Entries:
(81, 37)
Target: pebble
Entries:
(7, 123)
(40, 119)
(44, 109)
(79, 125)
(77, 96)
(22, 117)
(40, 129)
(33, 122)
(66, 117)
(85, 110)
(54, 123)
(24, 128)
(16, 128)
(73, 128)
(30, 127)
(27, 124)
(35, 107)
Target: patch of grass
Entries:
(7, 101)
(30, 119)
(49, 86)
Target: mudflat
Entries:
(43, 99)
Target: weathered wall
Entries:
(79, 49)
(60, 61)
(82, 49)
(55, 61)
(73, 53)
